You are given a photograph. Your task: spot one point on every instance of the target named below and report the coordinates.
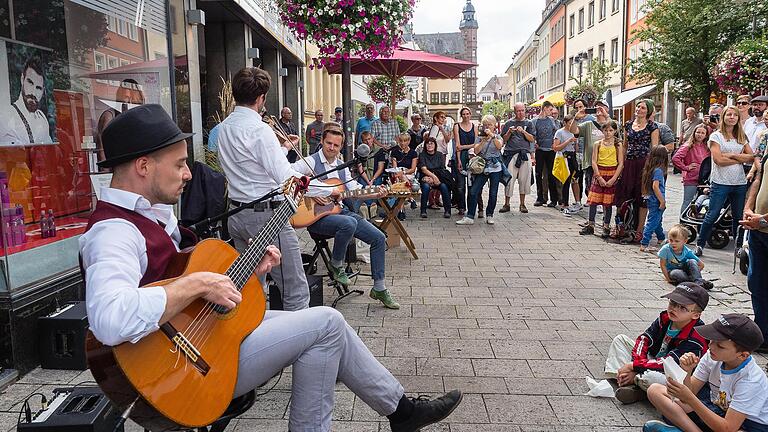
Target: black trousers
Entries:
(545, 160)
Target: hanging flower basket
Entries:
(582, 91)
(380, 89)
(744, 68)
(342, 28)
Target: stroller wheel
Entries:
(719, 239)
(743, 261)
(692, 233)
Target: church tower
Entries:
(468, 28)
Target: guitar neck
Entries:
(243, 267)
(360, 192)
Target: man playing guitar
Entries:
(346, 225)
(128, 244)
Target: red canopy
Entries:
(407, 62)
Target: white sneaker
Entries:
(566, 212)
(465, 221)
(489, 220)
(600, 209)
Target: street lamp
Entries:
(580, 59)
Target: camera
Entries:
(481, 132)
(714, 118)
(592, 110)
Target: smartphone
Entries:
(592, 110)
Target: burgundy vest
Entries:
(160, 247)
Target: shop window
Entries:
(64, 82)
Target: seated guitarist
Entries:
(346, 225)
(131, 237)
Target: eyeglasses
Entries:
(743, 103)
(675, 305)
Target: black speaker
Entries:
(75, 409)
(61, 338)
(315, 293)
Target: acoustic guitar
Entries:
(309, 211)
(184, 374)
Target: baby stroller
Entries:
(693, 216)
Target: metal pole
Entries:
(346, 103)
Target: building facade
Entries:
(99, 59)
(594, 29)
(525, 71)
(557, 44)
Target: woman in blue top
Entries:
(464, 136)
(489, 147)
(652, 183)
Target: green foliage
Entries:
(685, 38)
(495, 108)
(401, 123)
(591, 87)
(744, 68)
(380, 90)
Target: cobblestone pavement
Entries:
(515, 314)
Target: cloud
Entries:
(504, 28)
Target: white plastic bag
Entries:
(599, 389)
(673, 370)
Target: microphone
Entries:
(362, 152)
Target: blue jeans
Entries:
(343, 227)
(717, 195)
(689, 193)
(653, 224)
(444, 191)
(689, 272)
(757, 279)
(368, 202)
(478, 181)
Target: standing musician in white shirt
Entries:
(131, 237)
(255, 164)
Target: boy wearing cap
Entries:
(732, 389)
(637, 364)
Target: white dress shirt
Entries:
(303, 168)
(114, 254)
(252, 158)
(752, 127)
(14, 132)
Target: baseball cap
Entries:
(736, 327)
(689, 293)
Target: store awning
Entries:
(557, 99)
(631, 95)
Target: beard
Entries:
(30, 101)
(757, 113)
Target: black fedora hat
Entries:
(138, 132)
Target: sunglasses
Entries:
(743, 103)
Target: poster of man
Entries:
(28, 116)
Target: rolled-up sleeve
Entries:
(118, 309)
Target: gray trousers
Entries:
(322, 347)
(619, 354)
(289, 275)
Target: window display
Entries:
(70, 67)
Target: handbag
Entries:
(477, 163)
(560, 168)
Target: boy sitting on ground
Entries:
(637, 364)
(678, 263)
(725, 390)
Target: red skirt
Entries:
(602, 195)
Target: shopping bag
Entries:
(560, 168)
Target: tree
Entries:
(685, 38)
(384, 89)
(496, 108)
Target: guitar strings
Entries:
(240, 271)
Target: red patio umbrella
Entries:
(407, 62)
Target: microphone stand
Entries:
(207, 223)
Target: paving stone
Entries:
(502, 368)
(569, 350)
(519, 409)
(433, 332)
(444, 366)
(476, 384)
(523, 350)
(585, 410)
(407, 347)
(558, 369)
(434, 311)
(537, 386)
(484, 333)
(477, 311)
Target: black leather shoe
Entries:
(427, 412)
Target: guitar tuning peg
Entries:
(250, 240)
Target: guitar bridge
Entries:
(185, 346)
